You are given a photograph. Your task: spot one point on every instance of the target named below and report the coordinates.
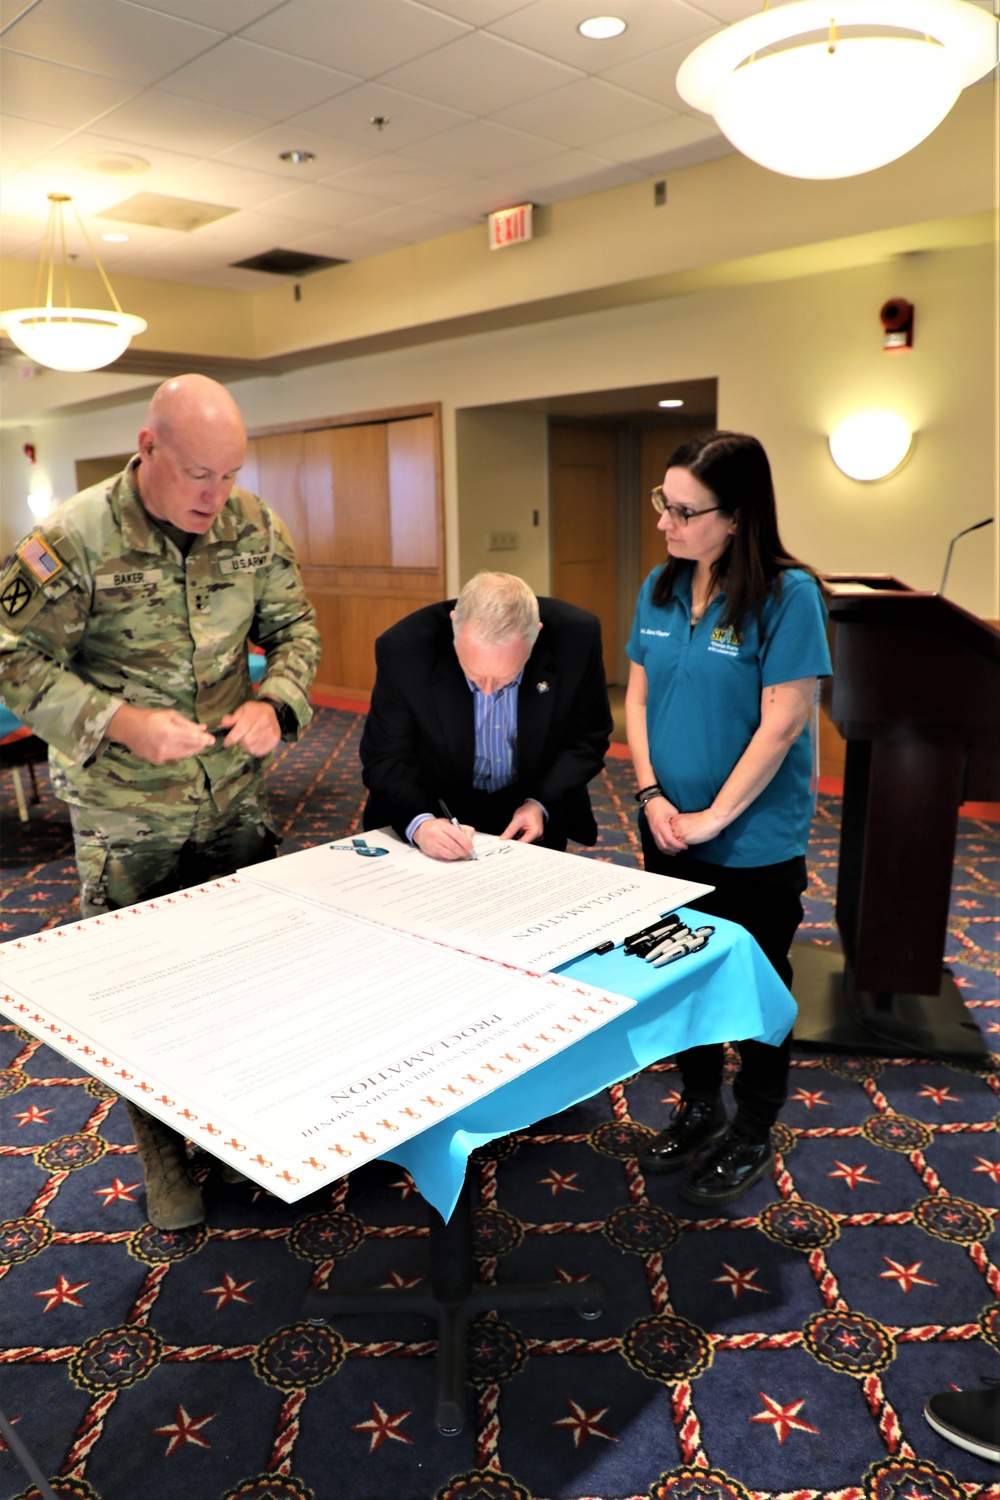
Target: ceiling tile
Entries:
(221, 182)
(398, 178)
(477, 12)
(349, 117)
(69, 155)
(24, 140)
(364, 38)
(11, 9)
(480, 74)
(481, 148)
(655, 75)
(263, 151)
(728, 11)
(410, 224)
(156, 118)
(571, 173)
(583, 112)
(474, 199)
(109, 37)
(324, 205)
(549, 26)
(346, 243)
(223, 15)
(34, 90)
(654, 142)
(243, 76)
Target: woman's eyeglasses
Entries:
(679, 514)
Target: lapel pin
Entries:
(541, 687)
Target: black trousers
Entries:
(766, 900)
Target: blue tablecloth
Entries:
(727, 991)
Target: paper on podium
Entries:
(290, 1040)
(514, 902)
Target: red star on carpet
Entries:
(383, 1427)
(62, 1292)
(395, 1280)
(183, 1429)
(852, 1175)
(970, 905)
(905, 1275)
(991, 1168)
(406, 1185)
(783, 1418)
(229, 1291)
(673, 1099)
(560, 1183)
(584, 1424)
(568, 1276)
(959, 979)
(33, 1116)
(739, 1281)
(809, 1099)
(940, 1096)
(994, 1028)
(3, 1445)
(117, 1190)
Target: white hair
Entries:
(497, 607)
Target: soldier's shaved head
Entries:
(191, 450)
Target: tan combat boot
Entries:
(173, 1198)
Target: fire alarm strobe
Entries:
(897, 322)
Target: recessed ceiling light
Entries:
(600, 28)
(114, 238)
(671, 402)
(114, 163)
(297, 158)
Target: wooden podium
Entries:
(916, 695)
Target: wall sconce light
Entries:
(40, 500)
(871, 444)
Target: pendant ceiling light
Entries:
(67, 337)
(824, 104)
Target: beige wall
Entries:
(790, 358)
(502, 477)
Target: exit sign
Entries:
(510, 226)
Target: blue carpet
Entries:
(781, 1349)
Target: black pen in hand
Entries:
(442, 804)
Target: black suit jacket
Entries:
(419, 739)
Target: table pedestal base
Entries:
(453, 1300)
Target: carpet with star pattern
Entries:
(781, 1349)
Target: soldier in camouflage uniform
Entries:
(124, 623)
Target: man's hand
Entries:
(158, 735)
(254, 725)
(527, 824)
(661, 816)
(440, 839)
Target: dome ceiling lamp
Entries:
(68, 338)
(827, 105)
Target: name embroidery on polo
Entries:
(644, 630)
(243, 562)
(726, 641)
(128, 579)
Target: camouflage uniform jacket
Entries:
(99, 608)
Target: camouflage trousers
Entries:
(124, 857)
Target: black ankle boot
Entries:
(732, 1166)
(694, 1124)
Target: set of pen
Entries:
(646, 939)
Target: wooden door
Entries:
(584, 535)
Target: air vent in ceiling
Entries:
(182, 214)
(287, 263)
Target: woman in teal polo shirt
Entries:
(728, 643)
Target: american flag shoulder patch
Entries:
(39, 558)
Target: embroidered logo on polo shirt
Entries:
(726, 640)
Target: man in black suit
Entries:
(493, 706)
